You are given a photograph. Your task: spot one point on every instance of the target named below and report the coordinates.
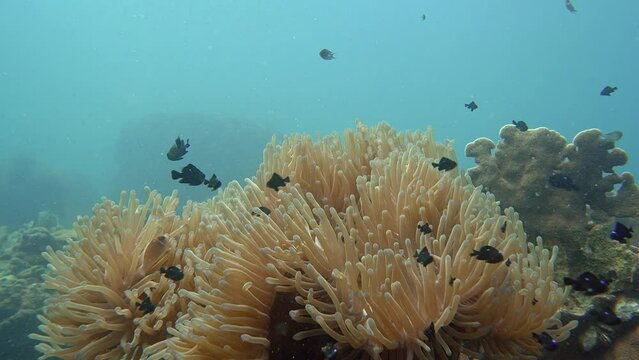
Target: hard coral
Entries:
(519, 171)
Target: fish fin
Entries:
(435, 165)
(569, 281)
(162, 270)
(175, 174)
(287, 179)
(475, 253)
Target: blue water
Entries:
(77, 75)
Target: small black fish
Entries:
(472, 106)
(534, 301)
(214, 183)
(561, 181)
(329, 350)
(508, 262)
(608, 90)
(445, 164)
(430, 332)
(612, 136)
(146, 305)
(189, 175)
(546, 341)
(276, 181)
(263, 209)
(178, 150)
(489, 254)
(521, 125)
(570, 7)
(589, 283)
(423, 256)
(607, 316)
(503, 227)
(621, 233)
(327, 54)
(172, 272)
(451, 280)
(423, 17)
(424, 228)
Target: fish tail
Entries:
(287, 179)
(569, 281)
(175, 175)
(162, 270)
(435, 165)
(474, 253)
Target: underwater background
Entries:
(92, 94)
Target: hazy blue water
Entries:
(75, 74)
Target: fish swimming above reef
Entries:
(445, 164)
(607, 316)
(621, 233)
(472, 106)
(327, 54)
(423, 256)
(561, 181)
(608, 90)
(214, 183)
(588, 283)
(146, 306)
(172, 272)
(276, 181)
(189, 175)
(424, 228)
(547, 341)
(489, 254)
(612, 136)
(521, 125)
(570, 7)
(178, 150)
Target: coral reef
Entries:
(582, 213)
(332, 266)
(21, 295)
(518, 174)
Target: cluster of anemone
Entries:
(331, 266)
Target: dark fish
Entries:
(534, 301)
(445, 164)
(621, 233)
(189, 175)
(589, 283)
(608, 90)
(330, 351)
(451, 280)
(607, 316)
(178, 150)
(546, 341)
(214, 183)
(561, 181)
(146, 305)
(423, 256)
(276, 181)
(570, 6)
(472, 106)
(327, 54)
(612, 136)
(172, 272)
(503, 227)
(423, 17)
(263, 209)
(424, 228)
(430, 332)
(508, 262)
(521, 125)
(488, 254)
